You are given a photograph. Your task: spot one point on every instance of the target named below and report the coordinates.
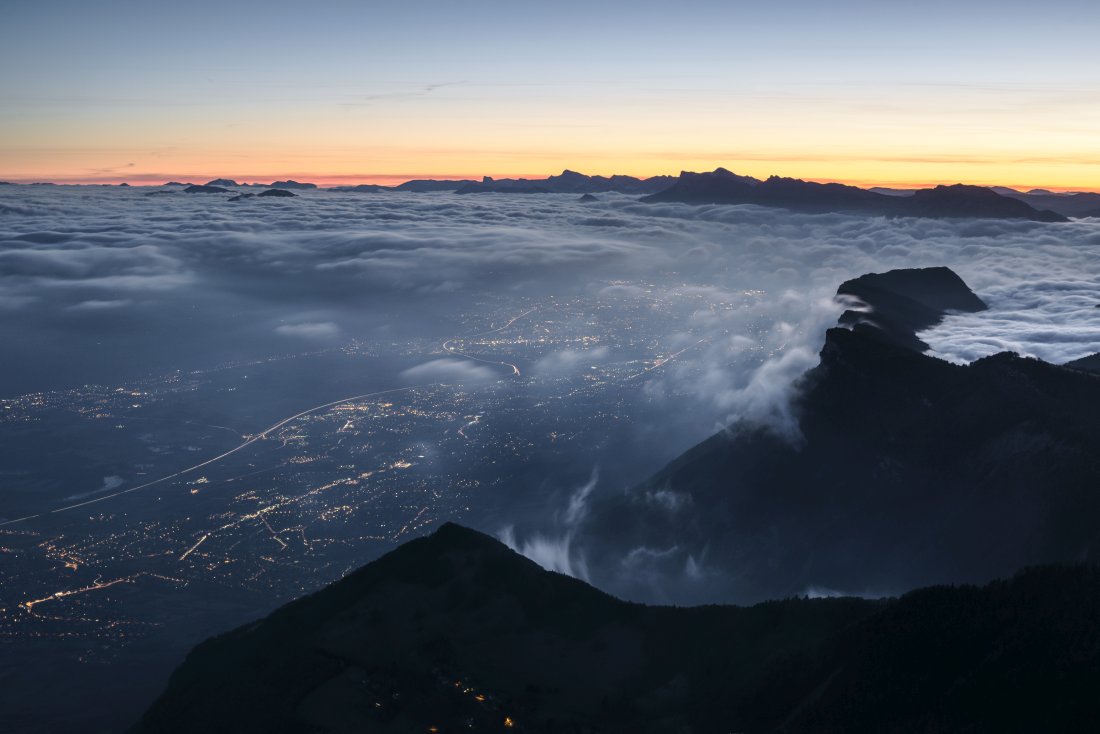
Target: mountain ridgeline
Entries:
(569, 182)
(455, 632)
(723, 187)
(942, 202)
(907, 471)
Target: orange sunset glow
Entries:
(857, 107)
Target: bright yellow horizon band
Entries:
(899, 137)
(888, 175)
(1004, 160)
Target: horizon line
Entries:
(331, 180)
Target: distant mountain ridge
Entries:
(455, 632)
(569, 182)
(1077, 204)
(721, 186)
(942, 202)
(228, 182)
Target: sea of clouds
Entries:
(133, 278)
(102, 284)
(105, 283)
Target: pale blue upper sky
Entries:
(372, 85)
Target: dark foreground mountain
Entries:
(1090, 363)
(942, 202)
(455, 632)
(907, 471)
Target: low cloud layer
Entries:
(570, 361)
(107, 271)
(450, 372)
(741, 297)
(310, 330)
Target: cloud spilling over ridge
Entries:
(553, 550)
(1053, 316)
(746, 360)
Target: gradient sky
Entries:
(867, 92)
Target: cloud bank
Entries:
(450, 372)
(138, 285)
(107, 271)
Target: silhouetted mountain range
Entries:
(427, 185)
(455, 632)
(1080, 204)
(569, 182)
(722, 187)
(223, 182)
(908, 470)
(205, 189)
(505, 186)
(362, 189)
(959, 200)
(419, 186)
(291, 184)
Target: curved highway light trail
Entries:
(453, 351)
(263, 434)
(514, 368)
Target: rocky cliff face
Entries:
(910, 471)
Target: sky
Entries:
(887, 92)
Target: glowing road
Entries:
(515, 369)
(258, 437)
